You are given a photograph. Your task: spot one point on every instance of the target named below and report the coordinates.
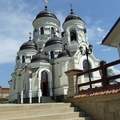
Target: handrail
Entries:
(88, 83)
(104, 77)
(113, 63)
(87, 71)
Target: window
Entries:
(85, 67)
(44, 75)
(23, 59)
(73, 35)
(42, 30)
(14, 82)
(52, 30)
(52, 54)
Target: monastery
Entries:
(41, 62)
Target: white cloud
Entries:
(61, 18)
(15, 26)
(115, 72)
(99, 29)
(104, 50)
(95, 33)
(98, 42)
(87, 20)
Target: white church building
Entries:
(41, 62)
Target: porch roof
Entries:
(113, 36)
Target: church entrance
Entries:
(44, 84)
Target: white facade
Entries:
(41, 62)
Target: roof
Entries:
(53, 40)
(97, 91)
(113, 35)
(28, 45)
(72, 16)
(39, 57)
(64, 53)
(46, 13)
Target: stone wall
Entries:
(104, 107)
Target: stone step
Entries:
(79, 118)
(43, 111)
(16, 114)
(60, 116)
(19, 107)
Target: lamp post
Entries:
(88, 50)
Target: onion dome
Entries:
(39, 57)
(28, 45)
(72, 16)
(64, 53)
(46, 13)
(53, 40)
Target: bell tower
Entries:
(45, 26)
(74, 31)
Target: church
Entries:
(41, 61)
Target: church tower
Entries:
(46, 25)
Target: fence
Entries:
(105, 79)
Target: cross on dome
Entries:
(71, 7)
(46, 1)
(30, 35)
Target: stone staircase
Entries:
(43, 111)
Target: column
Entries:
(30, 86)
(21, 97)
(39, 90)
(30, 91)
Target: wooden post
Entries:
(104, 73)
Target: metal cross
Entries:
(30, 35)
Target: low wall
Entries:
(104, 107)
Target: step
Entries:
(79, 118)
(43, 111)
(19, 107)
(60, 116)
(16, 114)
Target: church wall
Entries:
(34, 82)
(63, 78)
(56, 76)
(61, 87)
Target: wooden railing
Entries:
(105, 79)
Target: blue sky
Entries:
(16, 18)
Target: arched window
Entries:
(42, 30)
(44, 75)
(52, 54)
(73, 35)
(52, 30)
(85, 67)
(23, 59)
